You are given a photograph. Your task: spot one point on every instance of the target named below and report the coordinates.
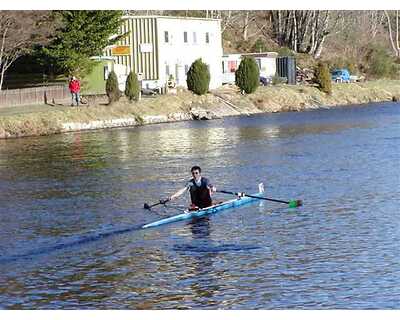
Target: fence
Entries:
(37, 95)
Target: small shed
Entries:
(286, 68)
(95, 81)
(266, 62)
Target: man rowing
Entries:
(200, 190)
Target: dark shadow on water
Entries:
(200, 229)
(67, 244)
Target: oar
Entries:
(291, 203)
(148, 207)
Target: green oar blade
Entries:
(295, 203)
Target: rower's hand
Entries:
(213, 189)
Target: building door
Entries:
(180, 75)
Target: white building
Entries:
(266, 62)
(160, 47)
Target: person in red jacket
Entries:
(75, 88)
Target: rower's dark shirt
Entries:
(200, 195)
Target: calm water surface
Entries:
(71, 206)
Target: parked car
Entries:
(149, 92)
(264, 81)
(340, 75)
(354, 78)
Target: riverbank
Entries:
(226, 101)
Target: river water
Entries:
(71, 207)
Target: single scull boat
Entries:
(187, 215)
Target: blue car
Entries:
(341, 75)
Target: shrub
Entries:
(132, 87)
(380, 63)
(285, 52)
(323, 78)
(278, 80)
(198, 77)
(247, 76)
(243, 45)
(112, 89)
(348, 63)
(259, 46)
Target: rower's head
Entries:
(196, 172)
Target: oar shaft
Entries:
(261, 198)
(148, 207)
(269, 199)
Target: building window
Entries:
(194, 37)
(186, 68)
(185, 37)
(207, 37)
(166, 37)
(167, 70)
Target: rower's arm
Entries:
(178, 193)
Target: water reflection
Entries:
(200, 228)
(204, 284)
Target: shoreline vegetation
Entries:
(226, 101)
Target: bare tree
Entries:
(393, 19)
(302, 31)
(19, 32)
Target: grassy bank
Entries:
(282, 98)
(45, 120)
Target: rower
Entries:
(200, 190)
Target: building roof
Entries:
(170, 17)
(102, 58)
(255, 54)
(262, 54)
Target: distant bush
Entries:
(132, 87)
(243, 45)
(379, 62)
(304, 60)
(247, 76)
(259, 46)
(323, 78)
(285, 52)
(278, 80)
(348, 63)
(112, 89)
(198, 77)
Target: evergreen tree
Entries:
(112, 89)
(247, 76)
(82, 34)
(323, 78)
(132, 87)
(198, 77)
(259, 46)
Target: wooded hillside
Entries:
(358, 40)
(365, 42)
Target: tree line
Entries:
(62, 41)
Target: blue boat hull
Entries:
(187, 215)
